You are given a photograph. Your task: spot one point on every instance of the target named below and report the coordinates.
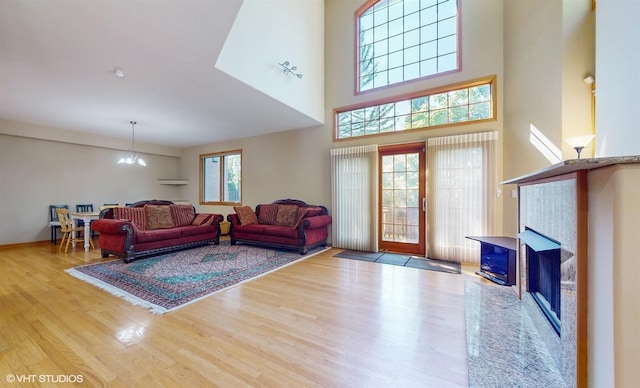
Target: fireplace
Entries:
(552, 264)
(544, 275)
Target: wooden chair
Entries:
(66, 225)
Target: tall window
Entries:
(453, 104)
(403, 40)
(353, 199)
(462, 183)
(221, 178)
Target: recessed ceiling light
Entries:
(118, 72)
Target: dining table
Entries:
(85, 217)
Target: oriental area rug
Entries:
(166, 282)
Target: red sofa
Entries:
(286, 223)
(152, 227)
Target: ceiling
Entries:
(57, 62)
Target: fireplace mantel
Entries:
(572, 165)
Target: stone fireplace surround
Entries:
(551, 209)
(553, 204)
(607, 213)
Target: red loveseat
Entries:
(286, 223)
(152, 227)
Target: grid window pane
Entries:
(428, 67)
(396, 75)
(447, 62)
(447, 45)
(380, 32)
(429, 15)
(412, 55)
(396, 11)
(400, 30)
(447, 27)
(412, 71)
(396, 27)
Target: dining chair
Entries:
(54, 224)
(84, 208)
(66, 225)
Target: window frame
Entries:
(491, 80)
(371, 3)
(222, 189)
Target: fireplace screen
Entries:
(543, 274)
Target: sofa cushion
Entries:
(193, 230)
(203, 219)
(159, 217)
(182, 214)
(281, 231)
(146, 236)
(246, 215)
(268, 214)
(287, 215)
(136, 215)
(251, 228)
(302, 213)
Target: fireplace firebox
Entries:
(543, 274)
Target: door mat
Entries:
(402, 260)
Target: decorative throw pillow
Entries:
(313, 211)
(203, 220)
(287, 215)
(159, 217)
(182, 214)
(136, 215)
(300, 214)
(268, 214)
(246, 215)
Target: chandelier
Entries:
(132, 156)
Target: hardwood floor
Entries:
(323, 321)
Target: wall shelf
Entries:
(173, 182)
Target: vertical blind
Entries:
(354, 202)
(461, 192)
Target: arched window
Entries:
(404, 40)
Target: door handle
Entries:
(424, 204)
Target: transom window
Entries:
(469, 102)
(221, 178)
(402, 40)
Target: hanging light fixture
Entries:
(132, 156)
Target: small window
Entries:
(404, 40)
(221, 178)
(472, 101)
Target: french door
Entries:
(402, 198)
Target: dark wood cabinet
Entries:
(497, 259)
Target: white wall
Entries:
(266, 33)
(37, 173)
(291, 164)
(548, 48)
(617, 81)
